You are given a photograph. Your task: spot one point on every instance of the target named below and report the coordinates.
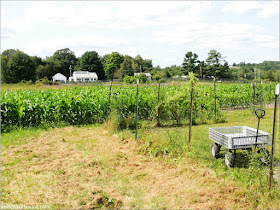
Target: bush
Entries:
(129, 79)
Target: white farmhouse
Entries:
(147, 74)
(59, 77)
(83, 76)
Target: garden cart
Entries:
(238, 137)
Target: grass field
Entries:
(94, 167)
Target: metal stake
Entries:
(190, 127)
(137, 110)
(273, 136)
(215, 98)
(109, 98)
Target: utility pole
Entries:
(70, 68)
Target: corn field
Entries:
(88, 105)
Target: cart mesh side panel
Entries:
(239, 137)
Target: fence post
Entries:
(261, 94)
(269, 93)
(254, 96)
(158, 89)
(137, 110)
(215, 98)
(109, 97)
(190, 126)
(273, 136)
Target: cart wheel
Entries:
(264, 156)
(215, 149)
(229, 159)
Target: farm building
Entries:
(59, 77)
(147, 74)
(83, 76)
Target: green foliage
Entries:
(129, 79)
(190, 62)
(90, 61)
(142, 78)
(8, 53)
(192, 79)
(112, 64)
(126, 68)
(49, 68)
(65, 57)
(87, 105)
(215, 67)
(17, 66)
(133, 79)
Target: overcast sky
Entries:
(163, 31)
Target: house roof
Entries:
(147, 74)
(59, 75)
(84, 74)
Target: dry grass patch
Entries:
(84, 168)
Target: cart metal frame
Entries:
(236, 137)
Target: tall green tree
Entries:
(49, 68)
(215, 66)
(17, 67)
(112, 64)
(8, 53)
(91, 61)
(190, 63)
(126, 68)
(65, 57)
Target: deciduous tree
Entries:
(90, 61)
(112, 64)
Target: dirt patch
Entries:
(87, 168)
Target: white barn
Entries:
(59, 77)
(83, 76)
(147, 74)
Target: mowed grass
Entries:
(87, 167)
(172, 144)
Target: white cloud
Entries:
(241, 7)
(262, 9)
(270, 9)
(79, 45)
(272, 44)
(202, 35)
(116, 14)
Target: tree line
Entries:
(17, 66)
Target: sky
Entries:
(163, 31)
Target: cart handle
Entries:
(260, 113)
